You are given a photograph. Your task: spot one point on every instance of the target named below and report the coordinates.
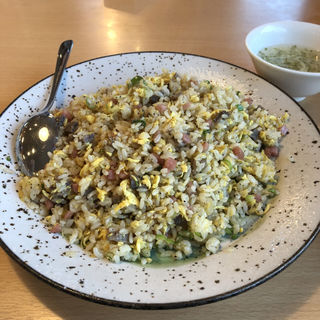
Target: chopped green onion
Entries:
(143, 122)
(205, 132)
(198, 234)
(237, 93)
(229, 232)
(90, 104)
(8, 158)
(164, 238)
(209, 83)
(273, 192)
(250, 199)
(234, 236)
(228, 163)
(240, 107)
(135, 81)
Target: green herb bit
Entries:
(239, 107)
(90, 104)
(134, 182)
(135, 81)
(250, 200)
(198, 234)
(141, 121)
(228, 163)
(209, 83)
(205, 132)
(272, 192)
(164, 238)
(229, 232)
(238, 93)
(8, 158)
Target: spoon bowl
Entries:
(38, 135)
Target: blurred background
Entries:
(31, 31)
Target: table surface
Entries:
(30, 32)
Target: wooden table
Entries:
(30, 32)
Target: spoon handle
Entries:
(62, 59)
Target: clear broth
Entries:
(292, 57)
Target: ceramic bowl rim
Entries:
(270, 65)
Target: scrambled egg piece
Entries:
(220, 149)
(101, 194)
(155, 182)
(267, 208)
(89, 150)
(60, 153)
(194, 98)
(90, 118)
(84, 170)
(184, 167)
(102, 234)
(182, 210)
(84, 183)
(139, 244)
(143, 138)
(97, 162)
(130, 197)
(141, 92)
(146, 181)
(90, 167)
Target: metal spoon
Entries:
(39, 134)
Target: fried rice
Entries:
(164, 164)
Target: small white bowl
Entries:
(298, 84)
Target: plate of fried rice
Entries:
(177, 180)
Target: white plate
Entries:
(275, 242)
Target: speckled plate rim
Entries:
(174, 305)
(163, 306)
